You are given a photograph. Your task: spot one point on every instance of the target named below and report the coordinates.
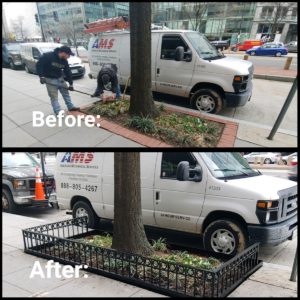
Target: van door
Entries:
(172, 77)
(147, 182)
(178, 204)
(35, 56)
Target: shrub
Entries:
(143, 124)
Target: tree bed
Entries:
(62, 241)
(177, 129)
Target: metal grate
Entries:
(56, 241)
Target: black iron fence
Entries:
(56, 241)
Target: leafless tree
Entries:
(18, 27)
(195, 12)
(129, 233)
(69, 30)
(280, 11)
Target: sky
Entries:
(26, 9)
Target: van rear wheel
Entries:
(82, 209)
(207, 100)
(225, 236)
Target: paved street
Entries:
(268, 61)
(22, 93)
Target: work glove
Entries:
(71, 88)
(42, 80)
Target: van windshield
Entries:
(17, 160)
(202, 46)
(228, 165)
(44, 50)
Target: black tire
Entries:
(27, 69)
(212, 97)
(278, 54)
(93, 219)
(8, 204)
(252, 53)
(267, 161)
(12, 65)
(284, 162)
(230, 227)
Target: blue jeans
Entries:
(118, 91)
(58, 84)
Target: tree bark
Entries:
(129, 233)
(141, 100)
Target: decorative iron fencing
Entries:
(56, 241)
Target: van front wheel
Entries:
(82, 209)
(207, 100)
(225, 236)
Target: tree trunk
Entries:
(141, 101)
(129, 234)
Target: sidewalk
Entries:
(23, 94)
(17, 267)
(269, 281)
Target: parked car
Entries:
(293, 173)
(285, 158)
(245, 45)
(31, 52)
(11, 56)
(218, 81)
(294, 160)
(18, 181)
(216, 196)
(292, 46)
(221, 44)
(270, 49)
(269, 157)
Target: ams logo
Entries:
(78, 157)
(103, 44)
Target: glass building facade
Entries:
(60, 21)
(220, 20)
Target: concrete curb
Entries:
(274, 77)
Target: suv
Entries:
(18, 181)
(11, 56)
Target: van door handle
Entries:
(157, 197)
(158, 71)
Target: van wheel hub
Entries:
(4, 202)
(81, 212)
(205, 103)
(223, 241)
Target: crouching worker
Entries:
(50, 68)
(108, 74)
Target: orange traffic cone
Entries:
(39, 191)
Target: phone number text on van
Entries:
(78, 187)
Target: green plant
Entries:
(160, 245)
(161, 107)
(143, 124)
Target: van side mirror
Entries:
(184, 172)
(179, 53)
(36, 56)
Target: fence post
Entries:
(294, 270)
(288, 63)
(284, 109)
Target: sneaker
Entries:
(74, 109)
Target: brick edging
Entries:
(227, 138)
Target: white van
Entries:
(213, 194)
(31, 53)
(184, 63)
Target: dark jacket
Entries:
(111, 70)
(51, 66)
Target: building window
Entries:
(267, 12)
